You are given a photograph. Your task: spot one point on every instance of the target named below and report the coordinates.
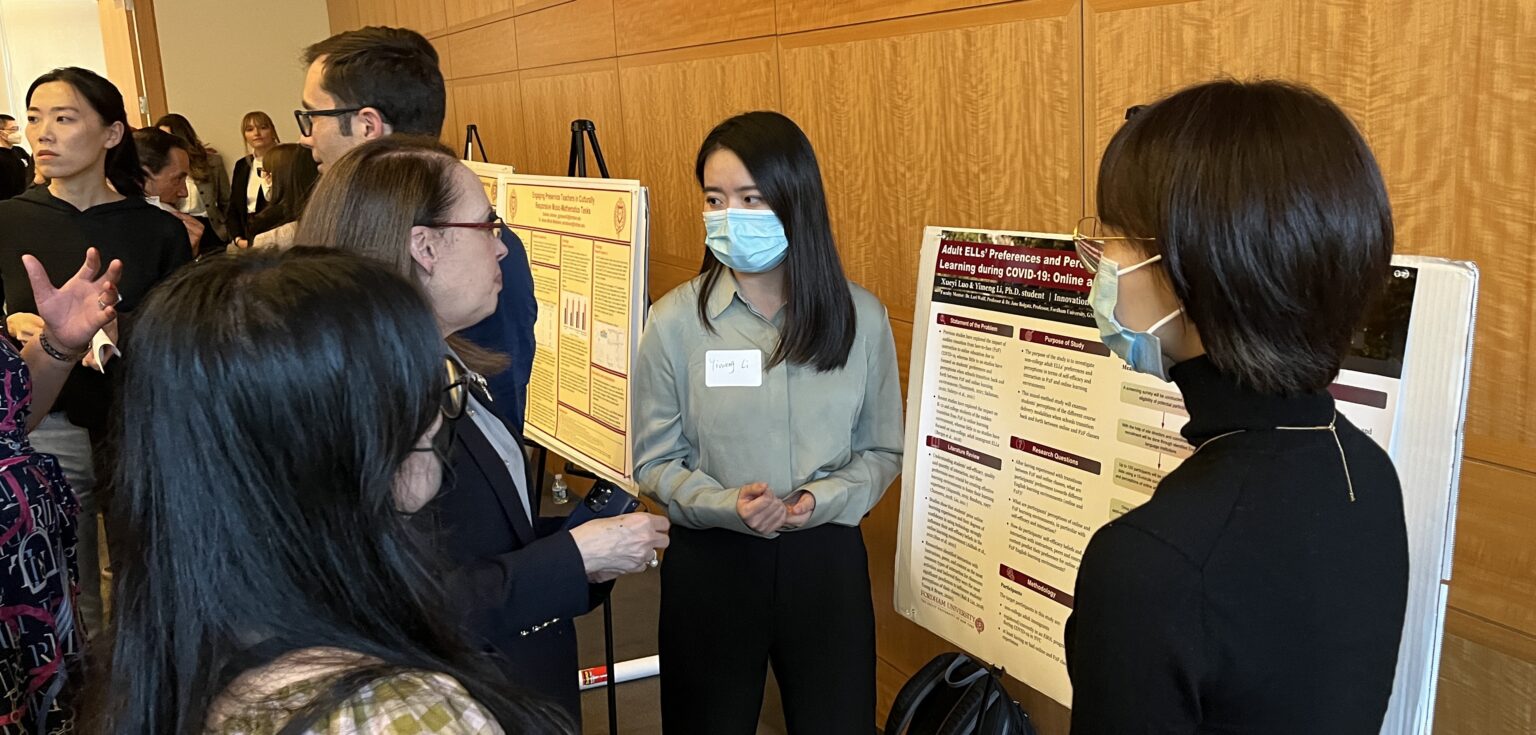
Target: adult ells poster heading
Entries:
(1025, 435)
(587, 242)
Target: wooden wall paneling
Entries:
(804, 15)
(580, 30)
(377, 13)
(460, 12)
(671, 102)
(1027, 90)
(528, 6)
(1484, 691)
(907, 132)
(1495, 151)
(654, 25)
(442, 44)
(424, 16)
(553, 97)
(487, 49)
(343, 15)
(494, 106)
(1495, 546)
(665, 277)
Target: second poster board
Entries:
(587, 242)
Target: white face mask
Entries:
(13, 137)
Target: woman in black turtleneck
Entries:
(1244, 230)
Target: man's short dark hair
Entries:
(155, 146)
(1271, 216)
(4, 118)
(393, 70)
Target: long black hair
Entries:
(123, 168)
(273, 398)
(819, 322)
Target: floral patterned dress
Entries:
(40, 641)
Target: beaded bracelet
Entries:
(53, 352)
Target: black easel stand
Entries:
(471, 141)
(581, 132)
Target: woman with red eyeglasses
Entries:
(409, 202)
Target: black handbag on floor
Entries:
(955, 695)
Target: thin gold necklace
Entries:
(1331, 428)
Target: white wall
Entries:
(223, 59)
(40, 35)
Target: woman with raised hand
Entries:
(39, 576)
(78, 129)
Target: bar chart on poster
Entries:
(587, 243)
(1026, 435)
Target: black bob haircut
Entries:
(393, 70)
(1271, 216)
(155, 146)
(819, 322)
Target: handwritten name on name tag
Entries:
(733, 368)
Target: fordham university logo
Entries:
(620, 217)
(511, 203)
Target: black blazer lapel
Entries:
(500, 481)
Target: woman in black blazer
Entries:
(260, 137)
(521, 577)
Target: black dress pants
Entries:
(732, 603)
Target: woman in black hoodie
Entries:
(78, 129)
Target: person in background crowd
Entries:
(248, 191)
(768, 476)
(208, 191)
(78, 130)
(39, 578)
(166, 165)
(15, 164)
(520, 578)
(365, 84)
(290, 175)
(273, 581)
(1243, 230)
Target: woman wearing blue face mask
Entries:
(768, 424)
(1245, 229)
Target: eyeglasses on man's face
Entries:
(306, 118)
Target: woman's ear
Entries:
(114, 134)
(424, 248)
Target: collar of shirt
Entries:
(726, 292)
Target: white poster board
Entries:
(587, 242)
(1025, 435)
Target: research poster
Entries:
(587, 242)
(490, 177)
(1026, 434)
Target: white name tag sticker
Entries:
(733, 368)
